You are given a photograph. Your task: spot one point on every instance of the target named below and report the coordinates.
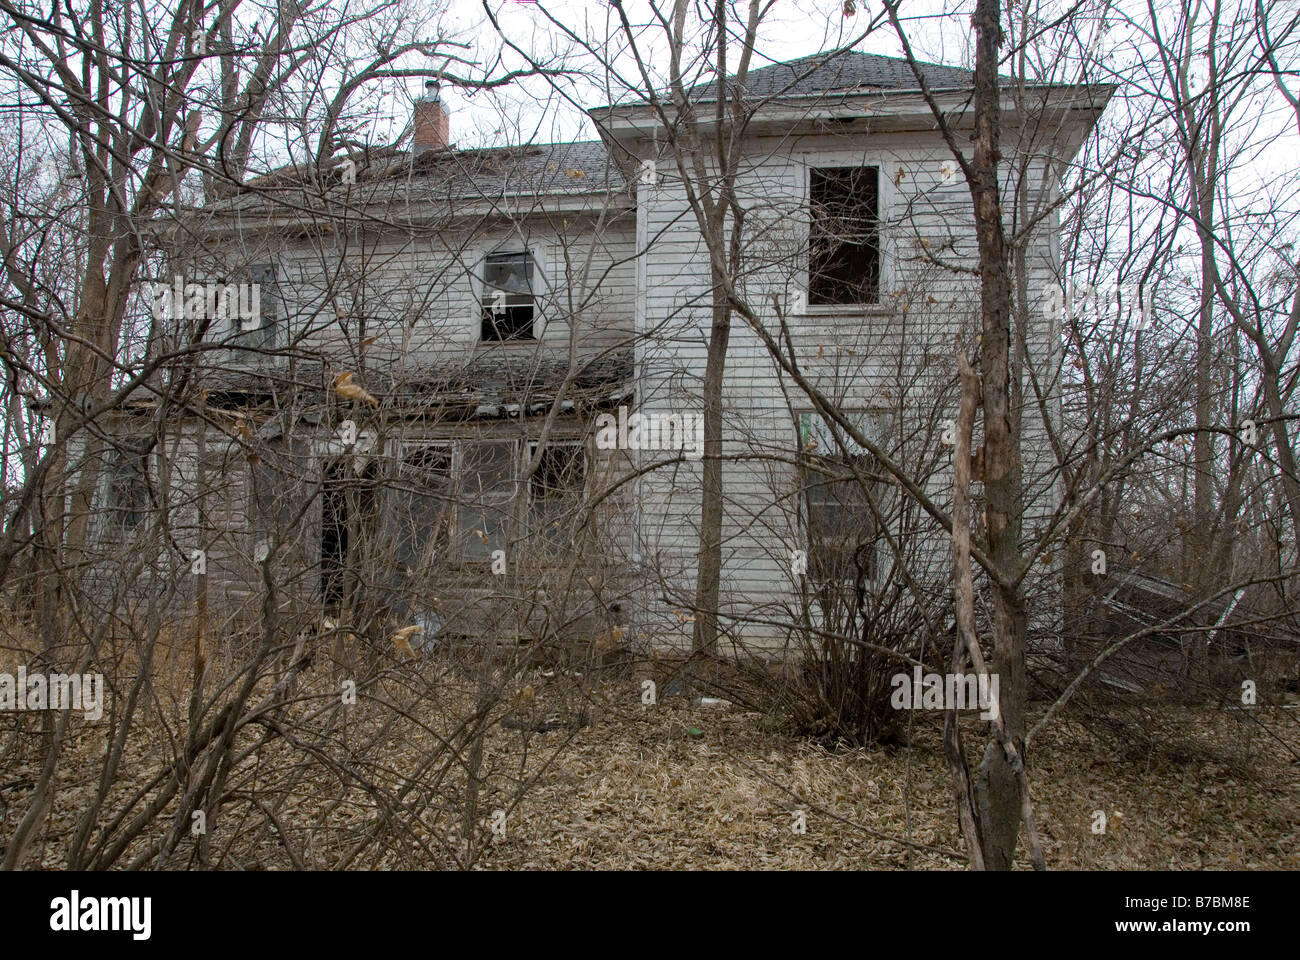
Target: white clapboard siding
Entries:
(897, 358)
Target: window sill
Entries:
(844, 310)
(487, 346)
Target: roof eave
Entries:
(240, 222)
(883, 109)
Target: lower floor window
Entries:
(841, 525)
(556, 490)
(839, 482)
(463, 500)
(128, 483)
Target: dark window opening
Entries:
(844, 236)
(508, 303)
(556, 491)
(841, 526)
(128, 484)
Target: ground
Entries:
(640, 791)
(681, 786)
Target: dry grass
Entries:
(637, 790)
(678, 786)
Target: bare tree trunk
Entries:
(997, 790)
(964, 599)
(708, 587)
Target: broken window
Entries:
(844, 236)
(487, 490)
(128, 483)
(259, 332)
(508, 302)
(842, 528)
(556, 489)
(422, 498)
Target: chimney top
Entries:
(431, 124)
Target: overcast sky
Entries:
(533, 110)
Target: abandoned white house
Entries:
(409, 422)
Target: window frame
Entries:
(875, 420)
(514, 509)
(481, 287)
(451, 511)
(266, 336)
(571, 443)
(886, 202)
(812, 173)
(131, 449)
(510, 503)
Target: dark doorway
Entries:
(348, 507)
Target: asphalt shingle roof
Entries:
(580, 167)
(840, 72)
(389, 175)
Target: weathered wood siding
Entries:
(896, 359)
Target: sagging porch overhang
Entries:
(486, 386)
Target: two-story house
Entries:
(426, 419)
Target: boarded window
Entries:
(844, 236)
(508, 302)
(487, 490)
(556, 491)
(128, 483)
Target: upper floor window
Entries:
(258, 327)
(128, 483)
(844, 237)
(508, 302)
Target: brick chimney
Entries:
(431, 124)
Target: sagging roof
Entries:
(489, 384)
(389, 175)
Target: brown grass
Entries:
(683, 787)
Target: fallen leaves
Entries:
(684, 787)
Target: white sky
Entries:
(793, 29)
